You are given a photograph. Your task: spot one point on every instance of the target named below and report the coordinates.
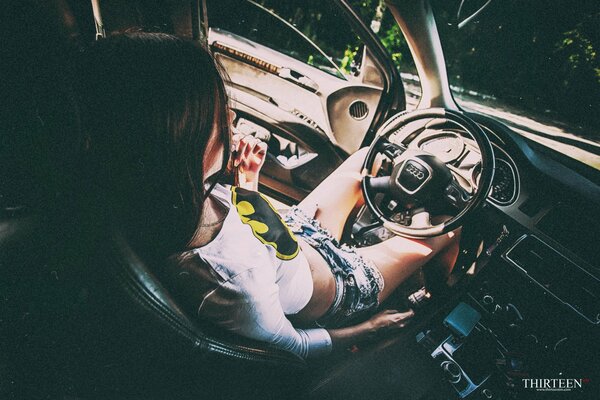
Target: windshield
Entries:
(533, 65)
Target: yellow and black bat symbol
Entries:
(256, 211)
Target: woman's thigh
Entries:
(332, 201)
(397, 258)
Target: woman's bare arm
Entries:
(384, 321)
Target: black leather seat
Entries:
(87, 314)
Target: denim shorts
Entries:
(357, 281)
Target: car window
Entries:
(378, 17)
(281, 26)
(533, 65)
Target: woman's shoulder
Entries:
(208, 269)
(199, 283)
(222, 191)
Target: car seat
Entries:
(86, 314)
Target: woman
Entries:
(158, 146)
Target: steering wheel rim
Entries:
(485, 180)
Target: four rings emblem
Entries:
(413, 175)
(414, 171)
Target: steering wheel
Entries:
(420, 181)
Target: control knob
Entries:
(452, 371)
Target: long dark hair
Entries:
(150, 103)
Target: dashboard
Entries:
(525, 293)
(547, 241)
(461, 153)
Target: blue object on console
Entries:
(462, 319)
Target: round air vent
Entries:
(358, 110)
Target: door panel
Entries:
(280, 80)
(283, 183)
(352, 110)
(261, 75)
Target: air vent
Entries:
(359, 110)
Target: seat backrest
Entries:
(137, 322)
(142, 287)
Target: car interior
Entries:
(83, 315)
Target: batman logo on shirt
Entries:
(256, 211)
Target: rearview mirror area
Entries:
(469, 10)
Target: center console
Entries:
(521, 320)
(509, 337)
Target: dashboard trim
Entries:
(516, 183)
(506, 256)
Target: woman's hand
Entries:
(385, 321)
(248, 156)
(389, 320)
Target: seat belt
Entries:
(100, 32)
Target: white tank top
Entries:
(256, 275)
(261, 240)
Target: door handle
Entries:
(298, 79)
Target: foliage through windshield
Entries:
(533, 65)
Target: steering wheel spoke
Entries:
(378, 184)
(389, 149)
(456, 194)
(420, 220)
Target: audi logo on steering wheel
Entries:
(414, 171)
(413, 175)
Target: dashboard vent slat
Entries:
(358, 110)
